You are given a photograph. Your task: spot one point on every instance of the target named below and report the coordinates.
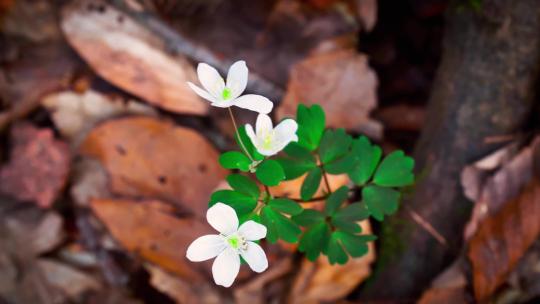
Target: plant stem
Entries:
(326, 182)
(238, 134)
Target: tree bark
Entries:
(484, 88)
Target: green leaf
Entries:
(243, 184)
(286, 205)
(356, 245)
(270, 173)
(308, 217)
(380, 201)
(311, 123)
(335, 251)
(395, 170)
(311, 184)
(234, 160)
(295, 168)
(334, 201)
(334, 144)
(366, 158)
(279, 226)
(298, 152)
(241, 203)
(351, 227)
(352, 213)
(341, 165)
(251, 150)
(315, 240)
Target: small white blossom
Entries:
(229, 245)
(224, 95)
(269, 140)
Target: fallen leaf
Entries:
(89, 180)
(74, 113)
(366, 10)
(130, 56)
(150, 229)
(38, 166)
(502, 239)
(153, 158)
(449, 287)
(495, 190)
(319, 281)
(71, 281)
(342, 83)
(34, 20)
(181, 290)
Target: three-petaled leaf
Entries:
(279, 226)
(341, 242)
(334, 201)
(243, 184)
(366, 158)
(234, 160)
(395, 170)
(308, 217)
(380, 201)
(334, 145)
(270, 173)
(347, 218)
(241, 203)
(299, 160)
(311, 123)
(311, 184)
(314, 241)
(285, 205)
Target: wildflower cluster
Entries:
(248, 212)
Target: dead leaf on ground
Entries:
(319, 281)
(342, 83)
(70, 281)
(34, 20)
(150, 230)
(502, 239)
(366, 10)
(38, 166)
(155, 159)
(75, 114)
(130, 56)
(493, 191)
(449, 287)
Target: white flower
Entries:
(229, 245)
(225, 95)
(269, 140)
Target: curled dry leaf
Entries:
(38, 166)
(319, 281)
(502, 239)
(342, 83)
(74, 113)
(150, 230)
(130, 56)
(155, 159)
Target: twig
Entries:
(427, 226)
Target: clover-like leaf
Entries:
(299, 160)
(314, 241)
(380, 201)
(335, 199)
(242, 203)
(285, 205)
(366, 158)
(244, 184)
(309, 217)
(311, 184)
(244, 142)
(234, 160)
(334, 144)
(346, 218)
(270, 173)
(396, 170)
(311, 123)
(279, 226)
(340, 241)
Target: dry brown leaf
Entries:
(502, 239)
(150, 229)
(71, 281)
(449, 287)
(34, 20)
(342, 83)
(153, 158)
(366, 10)
(74, 113)
(319, 281)
(38, 168)
(493, 192)
(130, 56)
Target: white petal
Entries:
(255, 257)
(251, 134)
(252, 231)
(263, 125)
(237, 78)
(226, 267)
(255, 103)
(206, 247)
(202, 92)
(285, 131)
(223, 218)
(210, 80)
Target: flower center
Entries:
(226, 94)
(237, 242)
(267, 141)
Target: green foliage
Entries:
(334, 201)
(247, 144)
(380, 201)
(270, 173)
(311, 122)
(395, 170)
(308, 217)
(235, 160)
(299, 160)
(278, 225)
(315, 239)
(334, 145)
(311, 184)
(340, 241)
(365, 157)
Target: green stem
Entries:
(238, 134)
